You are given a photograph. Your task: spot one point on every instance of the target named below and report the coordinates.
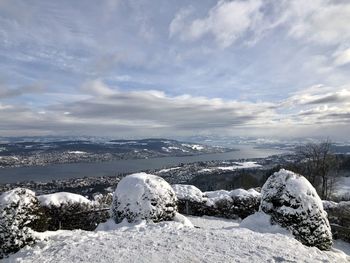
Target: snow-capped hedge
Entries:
(189, 192)
(57, 199)
(293, 203)
(339, 217)
(229, 204)
(20, 214)
(232, 204)
(71, 211)
(143, 196)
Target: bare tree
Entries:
(319, 165)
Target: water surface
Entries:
(110, 168)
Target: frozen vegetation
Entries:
(143, 196)
(293, 203)
(61, 198)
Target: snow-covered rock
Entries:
(20, 214)
(293, 203)
(144, 196)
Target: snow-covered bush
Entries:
(20, 214)
(339, 217)
(143, 196)
(72, 211)
(233, 204)
(191, 200)
(293, 203)
(230, 204)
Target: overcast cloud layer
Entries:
(175, 68)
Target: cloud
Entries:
(227, 21)
(318, 21)
(6, 92)
(140, 113)
(342, 57)
(135, 113)
(319, 94)
(97, 87)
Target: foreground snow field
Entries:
(215, 240)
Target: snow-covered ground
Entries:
(214, 240)
(77, 152)
(236, 166)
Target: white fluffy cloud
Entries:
(227, 21)
(319, 21)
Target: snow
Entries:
(242, 165)
(59, 198)
(236, 166)
(261, 222)
(168, 169)
(77, 152)
(215, 196)
(188, 192)
(12, 196)
(182, 220)
(196, 147)
(214, 240)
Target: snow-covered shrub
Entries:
(233, 204)
(238, 203)
(191, 200)
(20, 216)
(104, 200)
(72, 211)
(293, 203)
(339, 217)
(143, 196)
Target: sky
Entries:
(137, 68)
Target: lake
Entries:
(110, 168)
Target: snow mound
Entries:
(188, 192)
(57, 199)
(143, 196)
(293, 203)
(217, 240)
